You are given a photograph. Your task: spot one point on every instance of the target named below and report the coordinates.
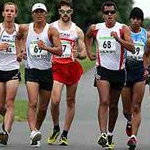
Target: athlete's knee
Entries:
(113, 107)
(70, 102)
(42, 108)
(136, 108)
(9, 104)
(32, 104)
(104, 102)
(55, 102)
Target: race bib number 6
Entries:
(35, 51)
(139, 49)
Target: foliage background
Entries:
(86, 12)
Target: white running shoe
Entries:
(35, 138)
(35, 145)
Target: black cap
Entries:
(137, 13)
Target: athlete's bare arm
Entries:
(146, 54)
(81, 44)
(56, 48)
(89, 42)
(127, 41)
(21, 41)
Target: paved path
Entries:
(85, 131)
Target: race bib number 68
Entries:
(107, 45)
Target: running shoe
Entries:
(51, 139)
(111, 145)
(132, 143)
(35, 136)
(129, 129)
(63, 141)
(3, 138)
(103, 141)
(35, 144)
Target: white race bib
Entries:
(107, 45)
(139, 48)
(11, 49)
(66, 48)
(35, 51)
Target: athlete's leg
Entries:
(11, 91)
(126, 96)
(71, 95)
(43, 103)
(113, 108)
(138, 93)
(2, 98)
(55, 101)
(33, 92)
(103, 88)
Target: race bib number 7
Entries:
(66, 47)
(107, 45)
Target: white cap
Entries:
(39, 6)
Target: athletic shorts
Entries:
(9, 75)
(115, 78)
(43, 77)
(68, 74)
(134, 76)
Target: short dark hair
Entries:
(11, 3)
(65, 2)
(136, 12)
(108, 3)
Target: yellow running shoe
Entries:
(63, 141)
(51, 139)
(111, 146)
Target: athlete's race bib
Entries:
(66, 48)
(107, 45)
(35, 51)
(11, 49)
(139, 48)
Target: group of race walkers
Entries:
(51, 52)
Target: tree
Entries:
(86, 12)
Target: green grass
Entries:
(87, 64)
(21, 105)
(20, 110)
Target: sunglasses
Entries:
(61, 11)
(109, 12)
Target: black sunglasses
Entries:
(109, 12)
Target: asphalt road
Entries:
(84, 132)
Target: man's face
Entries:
(135, 23)
(39, 15)
(109, 14)
(65, 13)
(9, 12)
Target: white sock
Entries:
(133, 136)
(110, 133)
